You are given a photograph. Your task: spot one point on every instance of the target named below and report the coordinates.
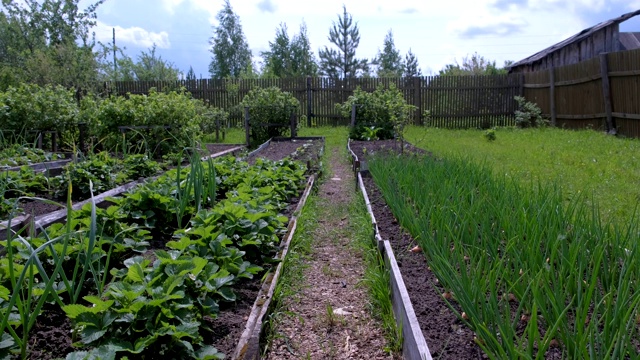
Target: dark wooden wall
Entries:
(604, 40)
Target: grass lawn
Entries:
(603, 168)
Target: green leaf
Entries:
(6, 341)
(135, 273)
(208, 352)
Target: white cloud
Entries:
(135, 36)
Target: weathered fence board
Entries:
(452, 101)
(600, 93)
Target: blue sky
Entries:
(438, 32)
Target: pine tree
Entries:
(342, 62)
(231, 53)
(411, 67)
(389, 60)
(303, 62)
(191, 75)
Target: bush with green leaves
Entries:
(381, 114)
(268, 107)
(529, 114)
(31, 107)
(211, 119)
(172, 119)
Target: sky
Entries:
(438, 32)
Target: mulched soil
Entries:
(231, 320)
(51, 336)
(300, 150)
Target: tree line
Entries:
(51, 42)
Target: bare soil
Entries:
(329, 318)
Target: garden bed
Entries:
(525, 274)
(46, 213)
(307, 150)
(239, 319)
(446, 336)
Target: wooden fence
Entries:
(442, 101)
(602, 93)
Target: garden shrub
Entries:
(380, 115)
(529, 114)
(176, 110)
(269, 106)
(211, 118)
(32, 107)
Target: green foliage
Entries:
(18, 155)
(148, 67)
(47, 42)
(489, 134)
(211, 119)
(389, 61)
(342, 63)
(231, 53)
(381, 114)
(473, 65)
(529, 114)
(411, 67)
(525, 266)
(269, 106)
(152, 307)
(31, 107)
(175, 110)
(289, 58)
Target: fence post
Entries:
(309, 101)
(606, 92)
(552, 96)
(54, 141)
(82, 127)
(246, 126)
(417, 100)
(353, 115)
(292, 120)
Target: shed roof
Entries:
(577, 37)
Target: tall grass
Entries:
(605, 170)
(532, 272)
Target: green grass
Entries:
(602, 168)
(233, 136)
(486, 236)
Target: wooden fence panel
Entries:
(453, 101)
(624, 75)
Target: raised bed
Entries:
(414, 345)
(251, 333)
(43, 220)
(433, 322)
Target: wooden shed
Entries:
(589, 43)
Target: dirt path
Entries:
(314, 328)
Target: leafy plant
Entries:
(383, 110)
(529, 114)
(489, 134)
(32, 107)
(270, 112)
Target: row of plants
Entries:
(164, 122)
(531, 275)
(18, 155)
(102, 170)
(146, 275)
(157, 123)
